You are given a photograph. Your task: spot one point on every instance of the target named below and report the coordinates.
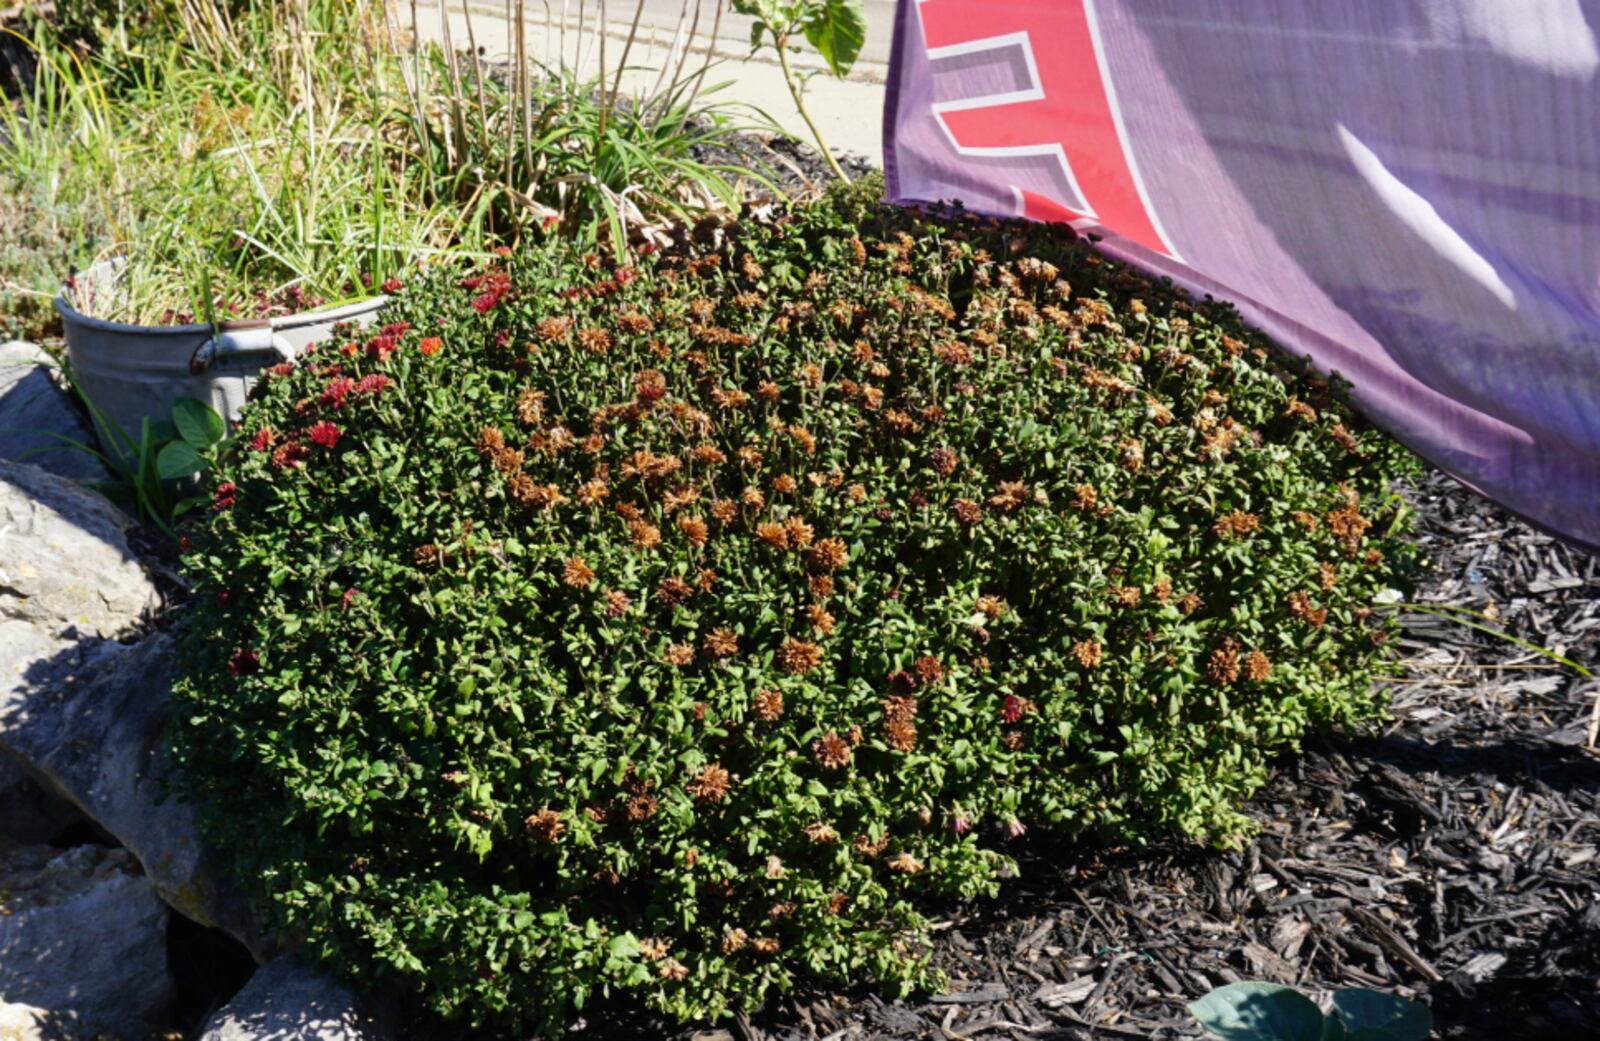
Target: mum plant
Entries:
(677, 627)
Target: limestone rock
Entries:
(289, 1001)
(91, 724)
(34, 404)
(64, 558)
(82, 939)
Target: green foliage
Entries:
(270, 156)
(836, 28)
(150, 471)
(1269, 1012)
(680, 629)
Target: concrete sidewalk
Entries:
(849, 112)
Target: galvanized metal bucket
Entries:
(134, 372)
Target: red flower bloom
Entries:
(374, 383)
(1011, 708)
(290, 453)
(337, 390)
(263, 440)
(380, 347)
(392, 285)
(243, 662)
(324, 434)
(430, 345)
(483, 303)
(283, 368)
(223, 497)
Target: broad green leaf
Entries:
(1370, 1015)
(198, 423)
(178, 460)
(837, 29)
(1259, 1012)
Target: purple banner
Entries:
(1406, 190)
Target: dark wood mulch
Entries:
(1453, 856)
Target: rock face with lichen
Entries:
(65, 566)
(84, 714)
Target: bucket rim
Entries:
(289, 321)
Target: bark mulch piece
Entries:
(1452, 856)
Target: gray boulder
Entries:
(83, 941)
(65, 565)
(289, 1001)
(91, 724)
(33, 406)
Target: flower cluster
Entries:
(714, 610)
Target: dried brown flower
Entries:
(767, 705)
(799, 532)
(545, 825)
(694, 530)
(1236, 525)
(553, 329)
(1223, 665)
(673, 591)
(711, 784)
(799, 656)
(773, 534)
(1088, 653)
(617, 603)
(901, 734)
(594, 340)
(905, 864)
(576, 573)
(831, 751)
(644, 535)
(721, 643)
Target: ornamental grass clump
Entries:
(675, 628)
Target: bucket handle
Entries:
(245, 337)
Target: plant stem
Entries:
(782, 41)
